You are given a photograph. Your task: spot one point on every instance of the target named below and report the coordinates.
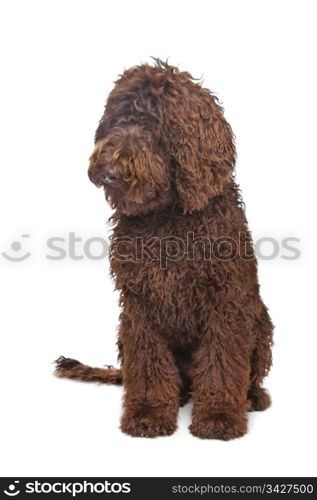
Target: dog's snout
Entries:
(108, 175)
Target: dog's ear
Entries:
(203, 152)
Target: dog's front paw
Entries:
(220, 425)
(259, 399)
(146, 421)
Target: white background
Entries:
(58, 62)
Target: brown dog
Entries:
(192, 321)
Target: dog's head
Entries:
(163, 140)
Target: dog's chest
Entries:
(159, 266)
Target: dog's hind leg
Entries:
(70, 368)
(261, 361)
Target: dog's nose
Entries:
(108, 175)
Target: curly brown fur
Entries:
(71, 368)
(192, 326)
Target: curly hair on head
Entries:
(193, 324)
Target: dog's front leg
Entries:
(220, 380)
(151, 379)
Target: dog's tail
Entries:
(70, 368)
